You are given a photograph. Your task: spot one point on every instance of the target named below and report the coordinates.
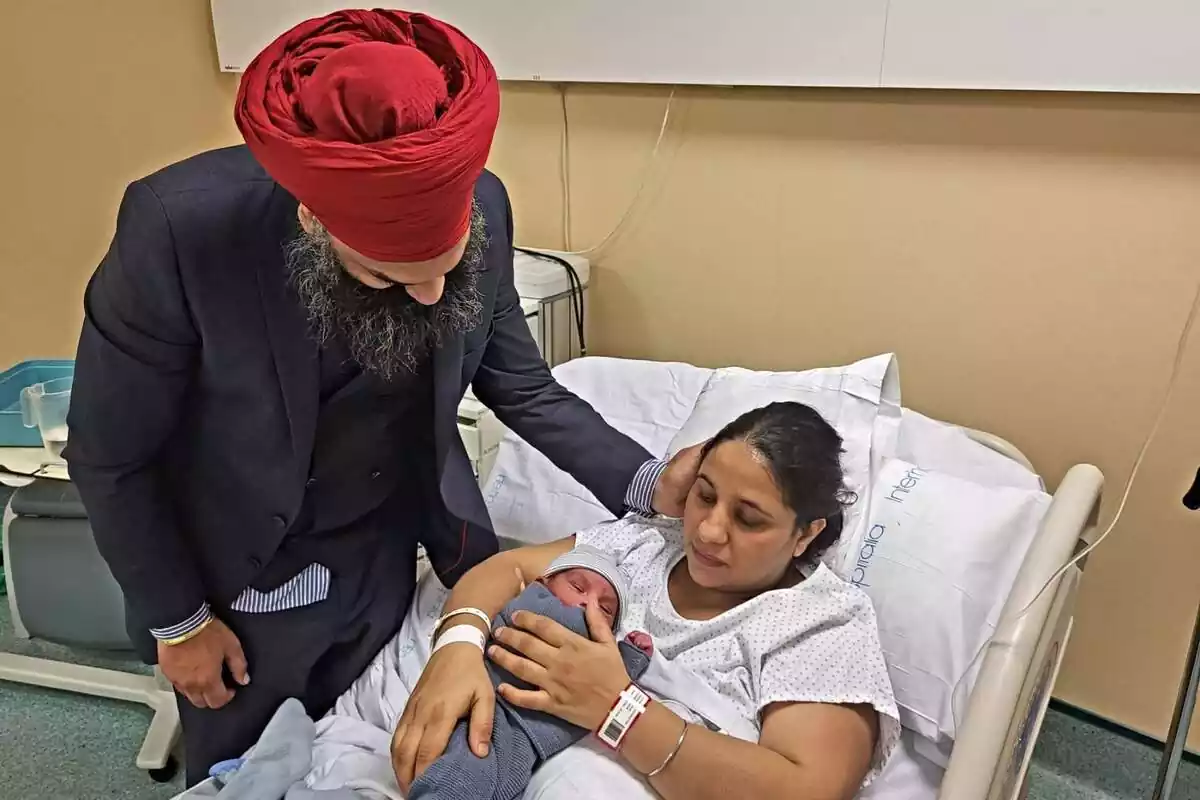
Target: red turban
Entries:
(380, 122)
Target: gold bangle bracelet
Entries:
(675, 752)
(189, 635)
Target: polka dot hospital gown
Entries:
(816, 642)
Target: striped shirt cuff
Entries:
(639, 496)
(202, 616)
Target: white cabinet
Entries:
(481, 433)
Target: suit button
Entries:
(254, 563)
(280, 521)
(311, 482)
(375, 474)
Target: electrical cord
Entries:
(565, 176)
(564, 168)
(1172, 380)
(575, 285)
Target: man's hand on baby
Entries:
(577, 678)
(453, 685)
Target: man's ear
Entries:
(812, 531)
(307, 221)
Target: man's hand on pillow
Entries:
(670, 494)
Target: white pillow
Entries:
(938, 556)
(531, 500)
(947, 448)
(848, 395)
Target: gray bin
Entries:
(62, 590)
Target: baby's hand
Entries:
(642, 641)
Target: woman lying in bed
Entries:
(734, 593)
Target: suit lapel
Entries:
(292, 346)
(447, 391)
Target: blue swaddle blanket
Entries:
(521, 739)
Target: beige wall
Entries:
(102, 95)
(1030, 258)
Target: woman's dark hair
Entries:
(803, 454)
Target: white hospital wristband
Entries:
(461, 633)
(630, 705)
(474, 612)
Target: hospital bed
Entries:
(1001, 716)
(1000, 720)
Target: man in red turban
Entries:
(263, 422)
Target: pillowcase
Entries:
(938, 556)
(947, 448)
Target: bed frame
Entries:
(1004, 714)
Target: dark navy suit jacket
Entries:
(196, 392)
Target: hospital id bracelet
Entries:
(187, 637)
(461, 633)
(628, 709)
(475, 612)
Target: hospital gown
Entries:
(815, 642)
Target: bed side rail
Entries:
(995, 719)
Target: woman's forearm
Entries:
(487, 586)
(708, 765)
(491, 584)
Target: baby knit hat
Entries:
(600, 562)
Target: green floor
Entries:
(58, 746)
(62, 746)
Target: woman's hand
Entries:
(578, 679)
(455, 683)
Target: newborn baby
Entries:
(522, 739)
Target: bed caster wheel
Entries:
(166, 773)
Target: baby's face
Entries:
(576, 587)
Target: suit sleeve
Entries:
(514, 381)
(136, 356)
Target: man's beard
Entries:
(386, 330)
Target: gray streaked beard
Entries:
(385, 330)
